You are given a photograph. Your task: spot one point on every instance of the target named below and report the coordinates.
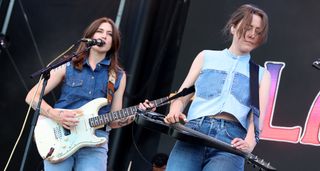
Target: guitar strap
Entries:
(254, 94)
(112, 77)
(111, 82)
(184, 92)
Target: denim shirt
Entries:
(80, 87)
(223, 86)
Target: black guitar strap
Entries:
(254, 94)
(184, 92)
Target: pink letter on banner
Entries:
(311, 128)
(277, 133)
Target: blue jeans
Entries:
(85, 159)
(193, 157)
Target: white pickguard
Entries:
(49, 134)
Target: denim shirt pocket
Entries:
(210, 83)
(74, 83)
(241, 88)
(74, 88)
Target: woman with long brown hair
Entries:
(83, 80)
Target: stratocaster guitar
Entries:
(154, 121)
(55, 143)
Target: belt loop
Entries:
(222, 123)
(201, 121)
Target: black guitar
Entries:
(154, 121)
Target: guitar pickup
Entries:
(66, 132)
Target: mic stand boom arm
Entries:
(59, 63)
(46, 75)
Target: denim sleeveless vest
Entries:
(223, 86)
(80, 87)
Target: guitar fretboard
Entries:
(123, 113)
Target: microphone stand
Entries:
(46, 75)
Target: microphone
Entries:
(316, 64)
(92, 42)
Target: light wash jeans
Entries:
(85, 159)
(193, 157)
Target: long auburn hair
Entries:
(243, 15)
(113, 53)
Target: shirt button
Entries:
(92, 77)
(89, 92)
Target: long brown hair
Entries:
(243, 15)
(113, 53)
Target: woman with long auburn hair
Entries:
(83, 80)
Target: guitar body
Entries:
(56, 143)
(52, 137)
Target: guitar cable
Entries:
(49, 153)
(184, 92)
(22, 129)
(137, 148)
(29, 109)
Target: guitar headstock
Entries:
(263, 165)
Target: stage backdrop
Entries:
(159, 43)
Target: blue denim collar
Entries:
(105, 61)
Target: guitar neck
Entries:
(123, 113)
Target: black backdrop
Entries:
(157, 51)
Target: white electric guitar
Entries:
(56, 143)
